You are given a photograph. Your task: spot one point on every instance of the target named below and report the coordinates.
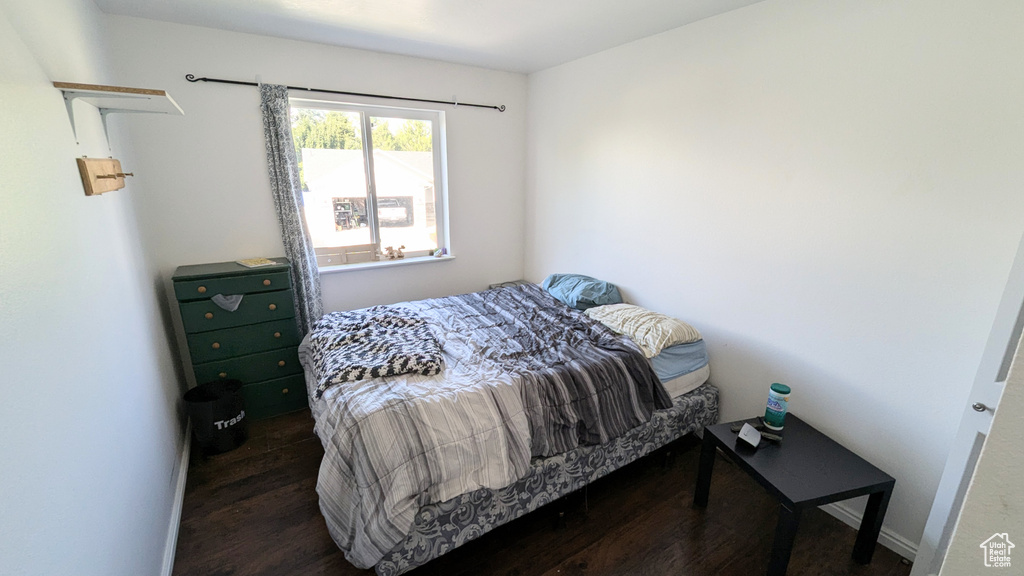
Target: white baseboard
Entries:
(887, 537)
(179, 499)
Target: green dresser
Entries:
(257, 343)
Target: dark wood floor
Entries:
(254, 511)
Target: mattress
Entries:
(680, 359)
(688, 382)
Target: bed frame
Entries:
(442, 527)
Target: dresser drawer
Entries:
(204, 315)
(246, 284)
(251, 368)
(231, 342)
(276, 396)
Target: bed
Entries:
(524, 400)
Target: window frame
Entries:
(440, 160)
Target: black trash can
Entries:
(217, 410)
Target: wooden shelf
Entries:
(120, 98)
(116, 100)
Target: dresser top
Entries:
(197, 271)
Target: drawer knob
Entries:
(223, 374)
(284, 391)
(201, 289)
(216, 345)
(272, 306)
(208, 315)
(277, 334)
(280, 362)
(266, 282)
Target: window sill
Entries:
(384, 264)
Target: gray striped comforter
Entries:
(525, 377)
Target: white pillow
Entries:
(651, 331)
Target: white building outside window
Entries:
(357, 205)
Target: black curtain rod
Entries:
(192, 78)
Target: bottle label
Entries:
(775, 413)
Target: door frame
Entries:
(974, 424)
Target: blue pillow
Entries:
(581, 292)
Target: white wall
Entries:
(829, 191)
(993, 504)
(90, 435)
(207, 195)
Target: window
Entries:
(357, 204)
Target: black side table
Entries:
(806, 469)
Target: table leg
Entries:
(785, 533)
(707, 464)
(870, 526)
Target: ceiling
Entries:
(515, 35)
